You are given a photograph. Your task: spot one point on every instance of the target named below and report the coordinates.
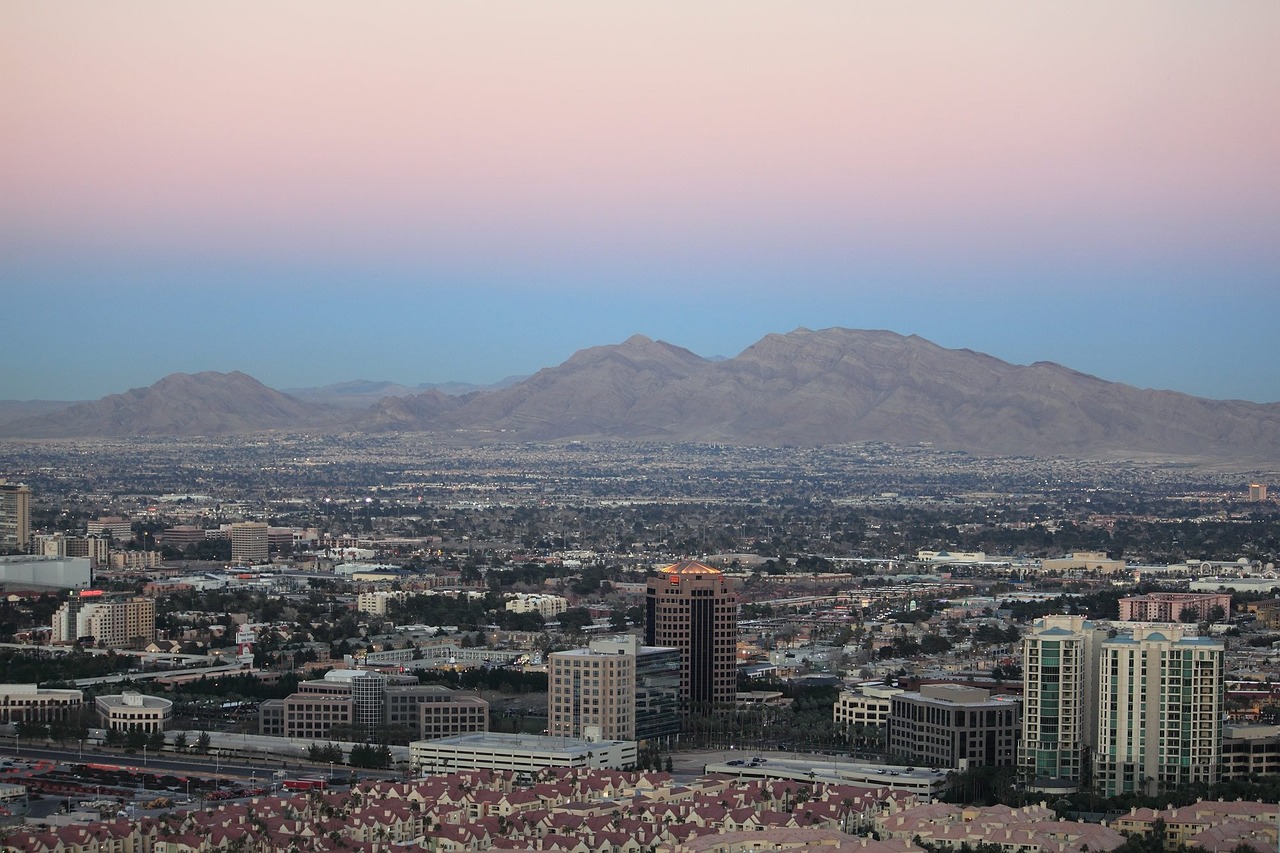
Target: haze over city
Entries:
(318, 192)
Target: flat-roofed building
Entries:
(111, 527)
(1060, 700)
(249, 542)
(614, 689)
(112, 623)
(1176, 607)
(866, 705)
(15, 517)
(378, 602)
(1085, 561)
(525, 754)
(23, 572)
(948, 725)
(181, 535)
(96, 548)
(33, 704)
(134, 560)
(355, 697)
(1160, 696)
(1250, 750)
(546, 606)
(129, 711)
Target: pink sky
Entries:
(596, 136)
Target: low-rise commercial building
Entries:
(131, 711)
(518, 753)
(22, 572)
(354, 697)
(32, 704)
(867, 705)
(1250, 750)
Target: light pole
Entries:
(144, 755)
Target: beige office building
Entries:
(250, 542)
(865, 705)
(615, 689)
(126, 712)
(34, 704)
(353, 697)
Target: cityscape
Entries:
(713, 427)
(893, 646)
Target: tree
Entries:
(202, 743)
(180, 742)
(1188, 615)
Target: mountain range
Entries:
(805, 388)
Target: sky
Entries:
(313, 191)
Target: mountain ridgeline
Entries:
(805, 388)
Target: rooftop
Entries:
(690, 567)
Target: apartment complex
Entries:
(546, 606)
(1160, 714)
(1175, 607)
(378, 602)
(950, 725)
(250, 542)
(15, 517)
(1059, 712)
(96, 548)
(615, 689)
(128, 623)
(694, 608)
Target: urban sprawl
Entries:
(365, 643)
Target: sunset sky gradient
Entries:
(314, 192)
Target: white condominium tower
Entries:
(1060, 701)
(1160, 711)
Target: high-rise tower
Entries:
(15, 517)
(249, 542)
(694, 608)
(1060, 701)
(1160, 714)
